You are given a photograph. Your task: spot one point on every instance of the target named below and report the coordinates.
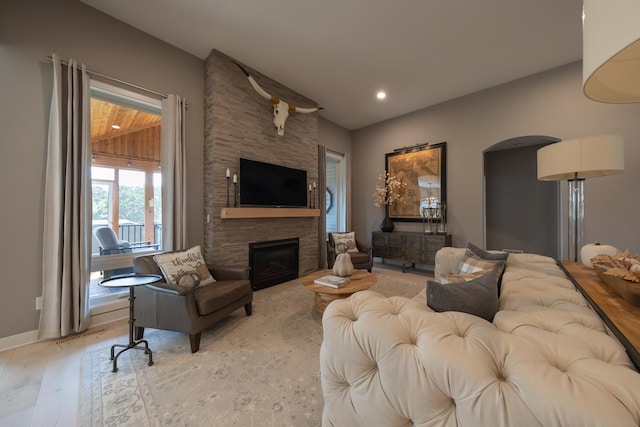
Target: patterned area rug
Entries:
(261, 370)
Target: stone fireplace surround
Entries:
(239, 123)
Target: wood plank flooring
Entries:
(39, 382)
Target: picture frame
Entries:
(423, 170)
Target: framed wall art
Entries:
(423, 169)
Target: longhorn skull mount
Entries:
(281, 109)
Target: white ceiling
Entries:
(341, 52)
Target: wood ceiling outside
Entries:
(137, 139)
(106, 114)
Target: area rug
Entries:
(261, 370)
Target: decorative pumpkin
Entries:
(343, 266)
(593, 249)
(189, 280)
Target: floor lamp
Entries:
(574, 160)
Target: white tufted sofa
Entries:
(546, 360)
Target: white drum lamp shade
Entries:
(574, 160)
(581, 158)
(611, 50)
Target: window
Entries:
(336, 192)
(126, 184)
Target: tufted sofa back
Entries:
(546, 360)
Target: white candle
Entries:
(228, 173)
(235, 178)
(309, 187)
(314, 184)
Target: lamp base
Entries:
(575, 227)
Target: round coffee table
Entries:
(323, 295)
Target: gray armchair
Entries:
(361, 260)
(174, 308)
(109, 245)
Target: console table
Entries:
(622, 318)
(408, 247)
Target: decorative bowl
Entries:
(630, 291)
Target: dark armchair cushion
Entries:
(214, 296)
(359, 257)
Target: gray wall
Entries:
(521, 212)
(29, 32)
(549, 103)
(334, 137)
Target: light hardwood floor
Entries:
(40, 382)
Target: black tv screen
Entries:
(266, 184)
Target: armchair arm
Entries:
(331, 254)
(229, 272)
(166, 288)
(364, 248)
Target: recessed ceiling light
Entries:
(115, 126)
(381, 95)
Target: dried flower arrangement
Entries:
(390, 192)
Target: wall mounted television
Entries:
(269, 185)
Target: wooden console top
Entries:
(621, 317)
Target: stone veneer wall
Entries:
(239, 123)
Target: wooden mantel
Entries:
(238, 213)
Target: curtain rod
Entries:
(113, 79)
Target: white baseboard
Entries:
(18, 340)
(99, 316)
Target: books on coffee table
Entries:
(332, 281)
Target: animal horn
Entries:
(263, 93)
(274, 99)
(303, 110)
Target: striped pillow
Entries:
(446, 278)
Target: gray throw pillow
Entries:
(478, 297)
(502, 256)
(500, 260)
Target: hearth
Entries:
(273, 262)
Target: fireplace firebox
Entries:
(273, 262)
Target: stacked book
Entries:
(332, 281)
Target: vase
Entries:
(386, 225)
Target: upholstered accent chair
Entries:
(189, 310)
(110, 245)
(361, 260)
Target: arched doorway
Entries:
(520, 212)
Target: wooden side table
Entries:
(622, 318)
(130, 282)
(323, 295)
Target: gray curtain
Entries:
(322, 205)
(174, 174)
(67, 205)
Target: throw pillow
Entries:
(446, 278)
(500, 256)
(175, 264)
(188, 280)
(344, 242)
(477, 259)
(472, 263)
(478, 297)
